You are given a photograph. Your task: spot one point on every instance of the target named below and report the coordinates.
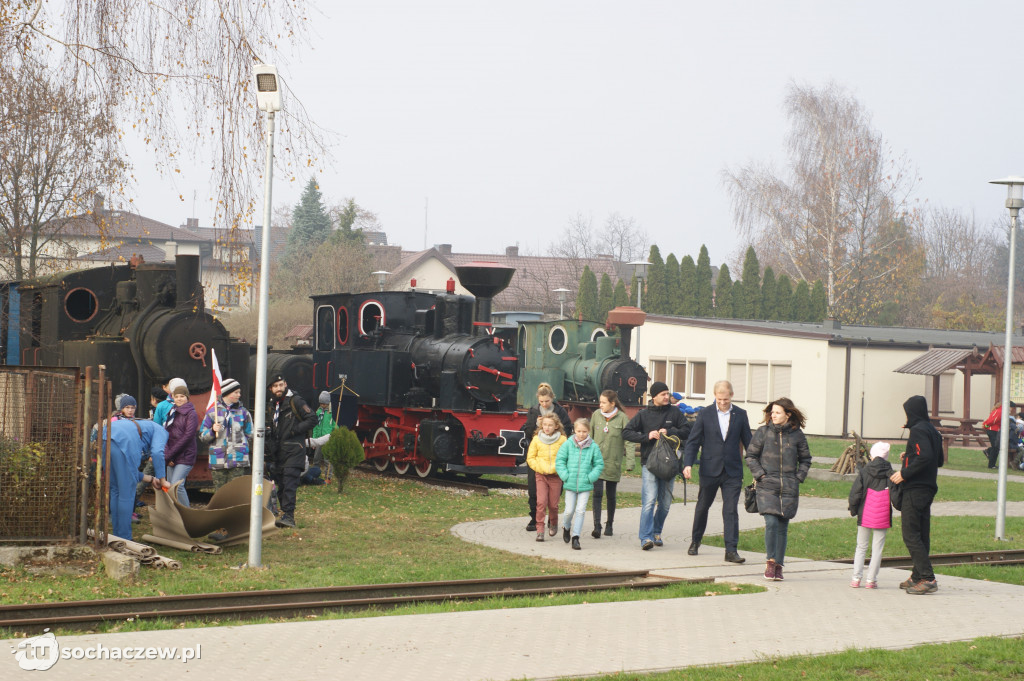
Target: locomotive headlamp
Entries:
(268, 87)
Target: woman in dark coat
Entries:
(545, 405)
(779, 458)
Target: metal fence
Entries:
(41, 455)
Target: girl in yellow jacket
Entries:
(541, 458)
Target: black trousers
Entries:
(599, 487)
(531, 490)
(993, 451)
(709, 487)
(289, 461)
(916, 519)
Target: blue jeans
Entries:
(654, 491)
(176, 473)
(575, 509)
(776, 531)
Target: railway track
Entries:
(481, 486)
(84, 615)
(1010, 557)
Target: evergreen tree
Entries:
(768, 295)
(586, 300)
(634, 290)
(819, 302)
(724, 293)
(604, 297)
(702, 286)
(802, 303)
(747, 301)
(310, 223)
(784, 298)
(346, 221)
(673, 296)
(620, 298)
(687, 287)
(654, 294)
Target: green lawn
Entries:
(983, 658)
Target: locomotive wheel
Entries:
(401, 467)
(423, 468)
(380, 436)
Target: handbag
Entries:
(896, 495)
(663, 462)
(750, 497)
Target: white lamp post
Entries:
(640, 272)
(268, 98)
(1014, 202)
(562, 293)
(382, 277)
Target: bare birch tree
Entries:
(841, 203)
(178, 73)
(57, 152)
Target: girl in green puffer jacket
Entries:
(579, 464)
(606, 426)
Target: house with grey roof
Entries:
(844, 378)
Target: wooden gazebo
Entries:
(938, 361)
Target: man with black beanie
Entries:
(647, 427)
(918, 477)
(289, 420)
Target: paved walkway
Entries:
(813, 611)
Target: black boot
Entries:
(576, 543)
(596, 534)
(608, 528)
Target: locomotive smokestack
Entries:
(484, 280)
(190, 289)
(627, 319)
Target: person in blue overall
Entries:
(128, 440)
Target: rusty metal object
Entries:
(297, 602)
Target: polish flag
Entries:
(215, 389)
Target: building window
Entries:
(758, 383)
(228, 296)
(736, 373)
(782, 380)
(658, 370)
(698, 379)
(679, 377)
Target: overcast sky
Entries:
(510, 118)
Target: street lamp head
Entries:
(562, 293)
(382, 277)
(639, 268)
(268, 87)
(1014, 194)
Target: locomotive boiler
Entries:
(434, 387)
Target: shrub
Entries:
(343, 451)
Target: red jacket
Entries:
(994, 419)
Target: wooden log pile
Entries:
(853, 457)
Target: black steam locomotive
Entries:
(428, 384)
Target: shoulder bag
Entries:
(750, 497)
(663, 461)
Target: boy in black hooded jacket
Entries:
(918, 477)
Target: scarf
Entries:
(611, 414)
(583, 444)
(544, 411)
(549, 439)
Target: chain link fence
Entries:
(41, 456)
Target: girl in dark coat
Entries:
(779, 458)
(869, 501)
(180, 452)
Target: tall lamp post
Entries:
(1014, 202)
(268, 98)
(562, 293)
(640, 273)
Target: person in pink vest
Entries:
(869, 502)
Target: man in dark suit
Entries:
(722, 433)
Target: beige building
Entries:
(843, 378)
